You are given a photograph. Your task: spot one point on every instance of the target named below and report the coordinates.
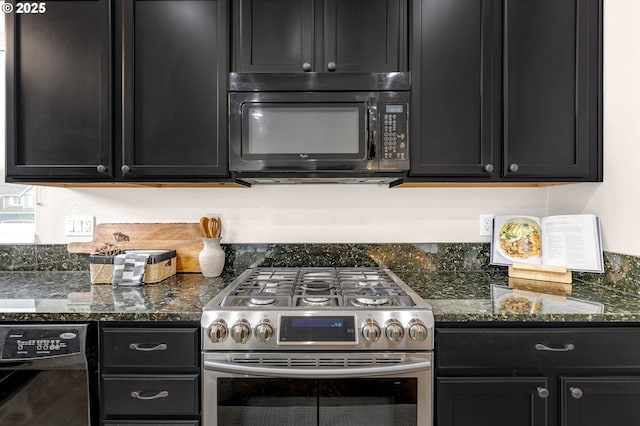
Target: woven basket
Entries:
(159, 267)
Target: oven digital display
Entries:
(317, 329)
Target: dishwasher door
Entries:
(44, 378)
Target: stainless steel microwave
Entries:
(354, 135)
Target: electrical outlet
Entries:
(486, 225)
(78, 226)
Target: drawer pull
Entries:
(161, 394)
(141, 348)
(566, 348)
(576, 392)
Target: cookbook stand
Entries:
(543, 278)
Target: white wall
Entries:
(350, 213)
(617, 200)
(296, 213)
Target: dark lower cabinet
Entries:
(578, 375)
(598, 401)
(150, 374)
(492, 401)
(506, 90)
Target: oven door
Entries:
(302, 131)
(328, 389)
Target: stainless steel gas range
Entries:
(317, 346)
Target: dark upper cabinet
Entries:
(59, 92)
(507, 90)
(148, 106)
(551, 84)
(174, 89)
(455, 101)
(319, 35)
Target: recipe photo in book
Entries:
(573, 241)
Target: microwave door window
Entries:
(307, 131)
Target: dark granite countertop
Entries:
(454, 296)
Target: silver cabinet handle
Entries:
(161, 394)
(576, 392)
(566, 348)
(488, 168)
(125, 169)
(101, 168)
(139, 347)
(543, 392)
(331, 66)
(306, 67)
(513, 168)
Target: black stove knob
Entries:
(417, 331)
(241, 331)
(394, 331)
(264, 331)
(371, 331)
(218, 331)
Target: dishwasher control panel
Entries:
(28, 343)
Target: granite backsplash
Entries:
(621, 271)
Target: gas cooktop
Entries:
(316, 288)
(364, 308)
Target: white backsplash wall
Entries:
(617, 200)
(295, 213)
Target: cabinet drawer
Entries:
(536, 348)
(150, 396)
(173, 349)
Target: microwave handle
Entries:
(373, 134)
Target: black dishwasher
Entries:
(44, 375)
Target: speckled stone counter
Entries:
(471, 297)
(455, 297)
(70, 296)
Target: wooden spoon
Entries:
(204, 226)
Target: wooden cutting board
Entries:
(185, 238)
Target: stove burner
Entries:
(366, 301)
(316, 300)
(261, 301)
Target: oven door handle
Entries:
(312, 373)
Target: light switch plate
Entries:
(79, 226)
(486, 225)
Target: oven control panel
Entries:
(322, 330)
(30, 343)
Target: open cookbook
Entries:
(573, 241)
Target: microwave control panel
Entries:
(395, 143)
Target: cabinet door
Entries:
(174, 89)
(491, 401)
(552, 89)
(597, 401)
(364, 36)
(273, 35)
(58, 92)
(455, 73)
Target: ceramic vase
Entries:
(211, 258)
